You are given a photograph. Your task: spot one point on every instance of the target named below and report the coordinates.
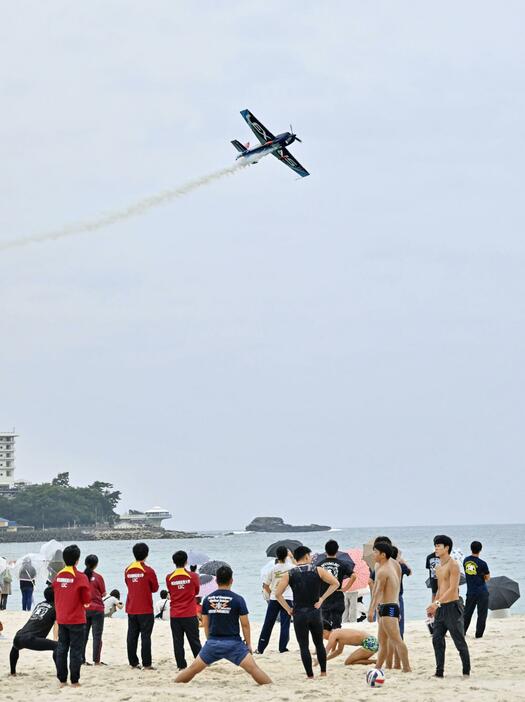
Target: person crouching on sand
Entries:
(33, 635)
(222, 611)
(339, 638)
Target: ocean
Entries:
(245, 552)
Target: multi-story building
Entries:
(7, 459)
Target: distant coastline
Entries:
(69, 535)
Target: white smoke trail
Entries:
(138, 208)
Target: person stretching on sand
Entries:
(222, 610)
(305, 581)
(33, 635)
(339, 638)
(447, 608)
(385, 598)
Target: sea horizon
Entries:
(415, 543)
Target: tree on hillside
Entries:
(58, 504)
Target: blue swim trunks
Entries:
(234, 650)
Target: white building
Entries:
(7, 459)
(150, 518)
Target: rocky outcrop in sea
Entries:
(277, 525)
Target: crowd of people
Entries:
(310, 594)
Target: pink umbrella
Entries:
(208, 585)
(361, 569)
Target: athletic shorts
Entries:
(332, 619)
(234, 650)
(388, 610)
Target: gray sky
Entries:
(266, 346)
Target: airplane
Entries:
(270, 144)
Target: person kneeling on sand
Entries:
(339, 638)
(222, 610)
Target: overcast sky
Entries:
(345, 349)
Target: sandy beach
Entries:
(496, 671)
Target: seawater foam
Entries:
(134, 210)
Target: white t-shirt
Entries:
(274, 575)
(164, 607)
(110, 605)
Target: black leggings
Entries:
(33, 643)
(308, 621)
(94, 623)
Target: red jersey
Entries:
(183, 587)
(72, 592)
(98, 590)
(141, 581)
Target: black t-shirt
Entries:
(431, 565)
(341, 570)
(306, 585)
(475, 571)
(40, 622)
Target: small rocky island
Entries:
(277, 525)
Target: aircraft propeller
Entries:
(296, 137)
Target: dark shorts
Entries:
(434, 585)
(388, 610)
(332, 619)
(234, 650)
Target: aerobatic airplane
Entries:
(270, 144)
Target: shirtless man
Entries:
(385, 598)
(339, 638)
(447, 608)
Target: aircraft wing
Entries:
(257, 128)
(286, 157)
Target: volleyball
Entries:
(375, 677)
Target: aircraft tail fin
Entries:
(239, 146)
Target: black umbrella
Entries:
(503, 592)
(205, 578)
(288, 543)
(211, 567)
(340, 555)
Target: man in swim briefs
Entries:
(385, 599)
(339, 638)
